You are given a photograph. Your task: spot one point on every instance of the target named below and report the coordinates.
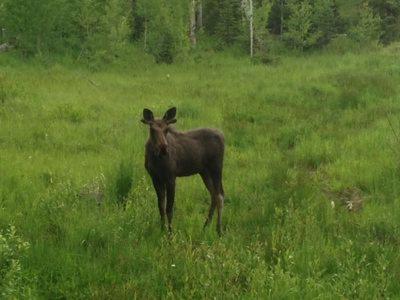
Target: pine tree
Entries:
(389, 12)
(278, 15)
(326, 20)
(300, 31)
(210, 16)
(228, 28)
(368, 28)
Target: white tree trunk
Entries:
(192, 33)
(247, 6)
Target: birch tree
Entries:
(258, 22)
(192, 30)
(247, 6)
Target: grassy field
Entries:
(311, 176)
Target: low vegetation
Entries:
(311, 178)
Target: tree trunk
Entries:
(145, 34)
(281, 25)
(247, 6)
(200, 14)
(192, 33)
(251, 28)
(133, 10)
(3, 36)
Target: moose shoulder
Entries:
(171, 154)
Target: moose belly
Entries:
(187, 168)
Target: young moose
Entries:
(171, 154)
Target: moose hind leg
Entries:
(220, 206)
(210, 187)
(219, 198)
(210, 212)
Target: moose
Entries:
(170, 154)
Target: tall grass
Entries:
(306, 139)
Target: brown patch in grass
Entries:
(351, 198)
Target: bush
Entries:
(13, 284)
(341, 44)
(119, 181)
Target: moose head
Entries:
(159, 129)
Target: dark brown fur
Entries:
(171, 154)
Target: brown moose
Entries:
(171, 154)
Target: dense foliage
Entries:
(101, 28)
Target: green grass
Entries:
(302, 135)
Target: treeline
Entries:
(168, 28)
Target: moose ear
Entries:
(148, 116)
(169, 116)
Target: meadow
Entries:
(311, 177)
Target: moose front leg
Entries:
(159, 186)
(170, 202)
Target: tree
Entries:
(210, 16)
(261, 17)
(33, 24)
(192, 25)
(199, 15)
(279, 13)
(326, 20)
(2, 29)
(368, 28)
(228, 26)
(389, 13)
(248, 9)
(165, 27)
(83, 27)
(300, 31)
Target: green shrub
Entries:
(341, 44)
(120, 181)
(13, 283)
